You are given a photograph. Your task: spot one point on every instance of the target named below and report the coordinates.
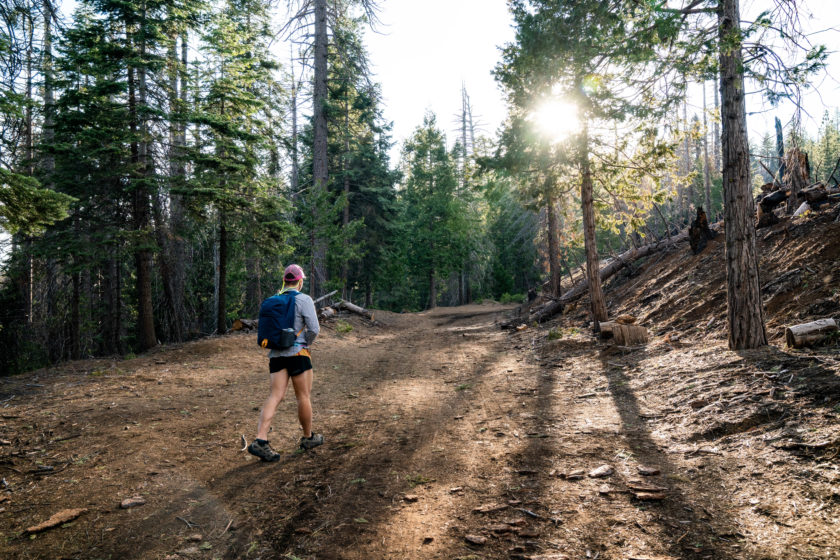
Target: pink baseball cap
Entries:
(293, 273)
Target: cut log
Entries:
(327, 313)
(629, 335)
(356, 309)
(244, 324)
(808, 334)
(606, 328)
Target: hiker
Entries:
(293, 363)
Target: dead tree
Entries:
(699, 233)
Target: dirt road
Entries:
(445, 438)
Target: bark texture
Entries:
(319, 144)
(553, 245)
(597, 305)
(745, 312)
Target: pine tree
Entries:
(586, 54)
(434, 218)
(228, 175)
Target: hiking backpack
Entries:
(276, 328)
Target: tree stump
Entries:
(699, 233)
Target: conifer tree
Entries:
(434, 219)
(711, 36)
(229, 175)
(587, 54)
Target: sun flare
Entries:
(556, 119)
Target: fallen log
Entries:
(814, 195)
(244, 324)
(322, 298)
(808, 334)
(623, 334)
(609, 270)
(327, 313)
(356, 309)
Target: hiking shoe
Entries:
(263, 451)
(313, 441)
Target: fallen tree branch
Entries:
(609, 270)
(322, 298)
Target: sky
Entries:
(424, 51)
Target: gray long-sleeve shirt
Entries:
(306, 323)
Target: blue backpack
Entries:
(276, 328)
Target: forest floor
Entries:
(447, 437)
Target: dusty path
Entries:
(428, 418)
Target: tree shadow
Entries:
(698, 540)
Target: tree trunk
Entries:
(797, 177)
(145, 319)
(111, 312)
(716, 127)
(253, 286)
(598, 307)
(75, 317)
(320, 172)
(553, 241)
(170, 238)
(221, 310)
(345, 216)
(148, 338)
(780, 149)
(432, 289)
(685, 196)
(27, 287)
(294, 155)
(707, 173)
(745, 313)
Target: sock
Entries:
(261, 441)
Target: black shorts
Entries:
(294, 365)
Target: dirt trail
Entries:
(427, 417)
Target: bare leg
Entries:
(279, 384)
(303, 388)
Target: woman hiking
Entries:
(293, 363)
